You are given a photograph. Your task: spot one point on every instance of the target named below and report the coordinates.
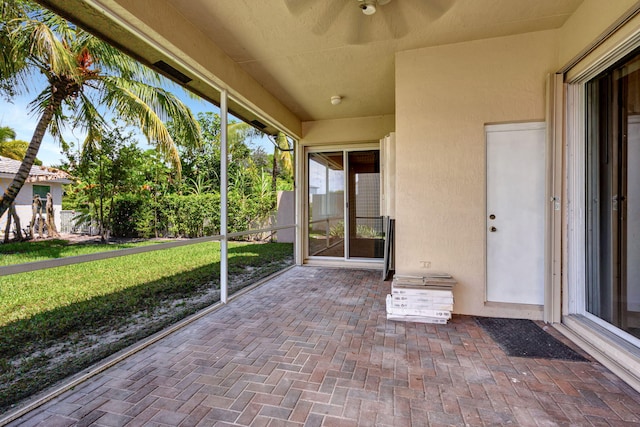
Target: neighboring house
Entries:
(517, 136)
(41, 180)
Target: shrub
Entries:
(193, 215)
(125, 213)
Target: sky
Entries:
(16, 115)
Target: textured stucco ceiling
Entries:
(305, 51)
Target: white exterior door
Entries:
(515, 213)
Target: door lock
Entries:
(493, 229)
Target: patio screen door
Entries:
(343, 204)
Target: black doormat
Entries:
(523, 338)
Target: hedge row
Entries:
(176, 215)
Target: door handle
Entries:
(493, 229)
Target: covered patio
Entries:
(313, 347)
(434, 85)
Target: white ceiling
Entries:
(305, 51)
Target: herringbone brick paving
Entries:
(312, 347)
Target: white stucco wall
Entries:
(23, 203)
(445, 95)
(286, 216)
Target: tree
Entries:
(8, 146)
(6, 134)
(16, 219)
(107, 167)
(282, 160)
(13, 148)
(106, 170)
(202, 163)
(51, 222)
(82, 73)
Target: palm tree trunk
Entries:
(16, 220)
(13, 189)
(51, 221)
(7, 229)
(17, 235)
(34, 214)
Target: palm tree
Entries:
(281, 156)
(82, 73)
(6, 134)
(13, 148)
(7, 149)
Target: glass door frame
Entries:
(345, 149)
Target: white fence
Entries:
(69, 223)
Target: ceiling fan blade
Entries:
(331, 13)
(434, 9)
(387, 22)
(356, 33)
(297, 7)
(396, 23)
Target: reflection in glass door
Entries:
(326, 204)
(344, 209)
(613, 195)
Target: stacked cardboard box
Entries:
(424, 299)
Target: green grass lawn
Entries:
(27, 294)
(18, 253)
(71, 306)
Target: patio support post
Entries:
(300, 198)
(224, 259)
(327, 205)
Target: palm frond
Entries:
(148, 108)
(111, 61)
(64, 30)
(240, 131)
(89, 119)
(7, 134)
(40, 102)
(46, 48)
(13, 149)
(283, 151)
(12, 59)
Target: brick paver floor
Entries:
(313, 347)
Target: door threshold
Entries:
(341, 263)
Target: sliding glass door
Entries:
(343, 204)
(613, 197)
